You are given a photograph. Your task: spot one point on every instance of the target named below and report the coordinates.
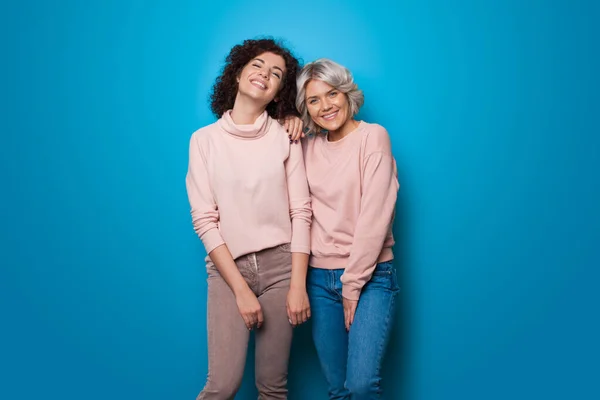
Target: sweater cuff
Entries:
(350, 292)
(296, 248)
(212, 239)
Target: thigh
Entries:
(227, 337)
(273, 342)
(329, 332)
(370, 331)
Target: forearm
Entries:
(227, 268)
(299, 270)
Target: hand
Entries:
(293, 125)
(249, 309)
(349, 311)
(298, 306)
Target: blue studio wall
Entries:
(492, 107)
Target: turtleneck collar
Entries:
(254, 131)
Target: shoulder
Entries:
(204, 134)
(201, 140)
(279, 139)
(278, 131)
(375, 138)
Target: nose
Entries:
(264, 73)
(326, 104)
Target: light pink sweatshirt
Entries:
(247, 187)
(353, 184)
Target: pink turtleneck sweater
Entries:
(353, 184)
(247, 187)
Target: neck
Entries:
(344, 130)
(245, 111)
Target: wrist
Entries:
(240, 288)
(298, 284)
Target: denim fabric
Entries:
(351, 361)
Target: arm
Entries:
(205, 217)
(378, 200)
(300, 213)
(204, 210)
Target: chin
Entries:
(331, 126)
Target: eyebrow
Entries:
(327, 92)
(274, 67)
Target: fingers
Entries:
(292, 130)
(350, 311)
(298, 317)
(297, 130)
(347, 318)
(253, 319)
(301, 128)
(289, 125)
(259, 318)
(304, 316)
(348, 315)
(286, 123)
(248, 321)
(294, 127)
(351, 317)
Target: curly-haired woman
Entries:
(250, 205)
(353, 184)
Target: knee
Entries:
(219, 389)
(272, 388)
(363, 389)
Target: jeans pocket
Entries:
(384, 277)
(384, 268)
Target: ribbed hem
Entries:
(212, 239)
(341, 262)
(350, 292)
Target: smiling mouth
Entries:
(259, 84)
(330, 116)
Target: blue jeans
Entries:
(351, 361)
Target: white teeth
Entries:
(330, 116)
(259, 84)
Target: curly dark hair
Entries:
(225, 88)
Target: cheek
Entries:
(345, 106)
(312, 111)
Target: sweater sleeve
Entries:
(204, 210)
(378, 200)
(299, 199)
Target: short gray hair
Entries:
(334, 75)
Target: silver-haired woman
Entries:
(353, 184)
